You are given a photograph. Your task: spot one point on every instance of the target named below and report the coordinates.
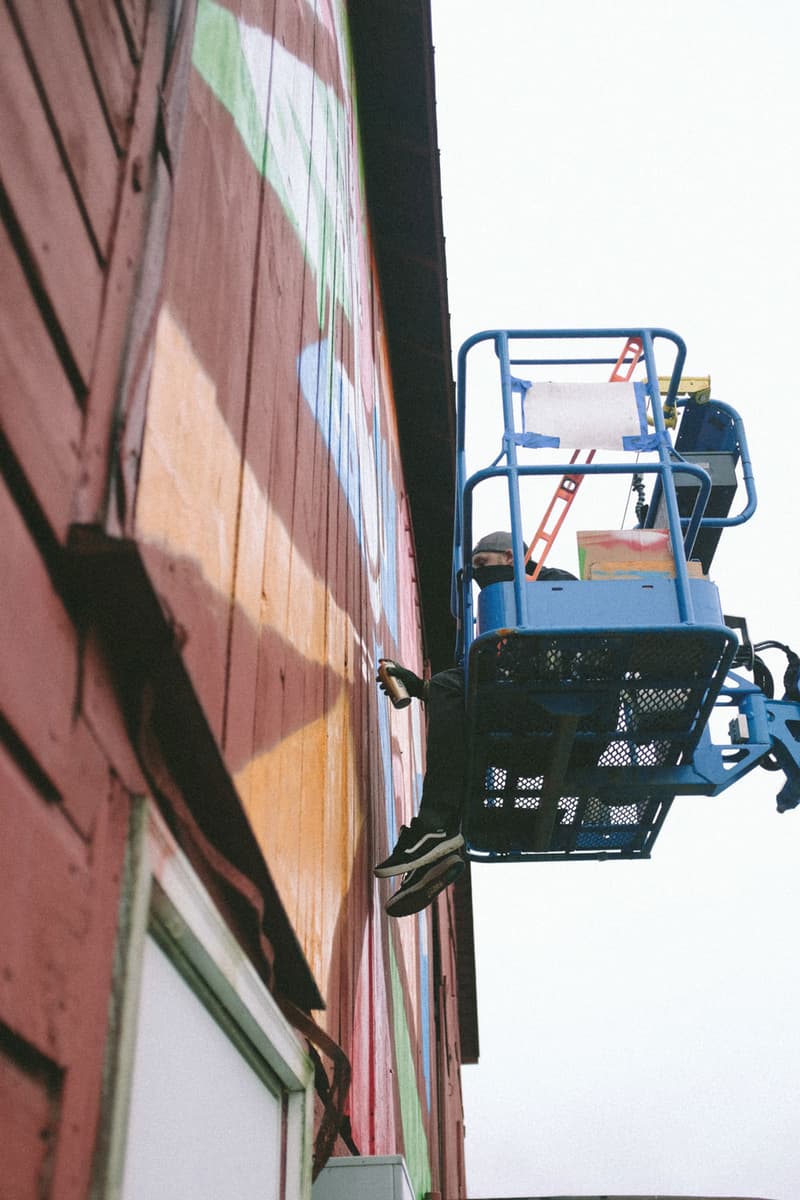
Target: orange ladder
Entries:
(567, 488)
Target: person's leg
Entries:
(443, 786)
(434, 832)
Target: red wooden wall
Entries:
(68, 83)
(208, 546)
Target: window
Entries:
(213, 1095)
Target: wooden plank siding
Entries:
(74, 111)
(105, 37)
(61, 175)
(47, 218)
(272, 518)
(64, 822)
(43, 425)
(208, 547)
(64, 748)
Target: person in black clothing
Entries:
(428, 850)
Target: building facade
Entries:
(226, 458)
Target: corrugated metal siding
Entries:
(194, 353)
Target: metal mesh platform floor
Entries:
(632, 699)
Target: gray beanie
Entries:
(497, 543)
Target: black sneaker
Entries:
(422, 886)
(416, 847)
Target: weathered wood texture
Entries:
(63, 745)
(193, 357)
(64, 822)
(272, 516)
(61, 179)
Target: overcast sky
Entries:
(633, 163)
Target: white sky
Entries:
(631, 163)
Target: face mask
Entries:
(483, 576)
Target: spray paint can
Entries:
(395, 689)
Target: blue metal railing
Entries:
(682, 530)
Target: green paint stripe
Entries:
(217, 56)
(219, 59)
(415, 1139)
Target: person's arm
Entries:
(549, 573)
(413, 684)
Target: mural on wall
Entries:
(271, 513)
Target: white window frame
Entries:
(166, 899)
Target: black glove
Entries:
(791, 678)
(413, 684)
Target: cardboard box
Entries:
(635, 570)
(627, 554)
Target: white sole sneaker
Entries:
(429, 848)
(424, 885)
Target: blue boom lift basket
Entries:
(588, 701)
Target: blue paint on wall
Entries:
(425, 1011)
(332, 398)
(385, 740)
(328, 393)
(389, 508)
